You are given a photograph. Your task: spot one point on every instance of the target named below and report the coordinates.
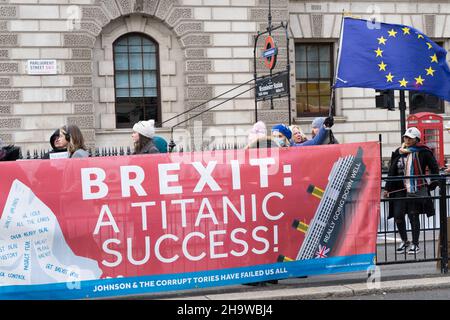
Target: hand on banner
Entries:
(386, 194)
(329, 122)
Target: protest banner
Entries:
(99, 227)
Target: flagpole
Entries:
(338, 59)
(402, 108)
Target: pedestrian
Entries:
(317, 124)
(281, 134)
(72, 137)
(143, 132)
(297, 134)
(59, 148)
(411, 159)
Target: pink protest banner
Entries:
(73, 228)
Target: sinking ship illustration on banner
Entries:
(322, 232)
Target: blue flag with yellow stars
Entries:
(391, 56)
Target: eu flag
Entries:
(391, 56)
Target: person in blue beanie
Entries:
(281, 134)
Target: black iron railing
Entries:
(433, 229)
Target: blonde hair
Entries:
(292, 127)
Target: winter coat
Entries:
(9, 153)
(149, 148)
(53, 138)
(80, 153)
(426, 160)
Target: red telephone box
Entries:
(431, 129)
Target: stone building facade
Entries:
(204, 49)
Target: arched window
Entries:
(136, 79)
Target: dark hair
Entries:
(140, 144)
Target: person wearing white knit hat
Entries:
(143, 132)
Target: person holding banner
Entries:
(318, 123)
(297, 135)
(143, 132)
(281, 134)
(411, 159)
(321, 131)
(58, 146)
(258, 138)
(72, 137)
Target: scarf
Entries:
(412, 168)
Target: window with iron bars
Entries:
(314, 78)
(136, 79)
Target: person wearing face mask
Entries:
(281, 134)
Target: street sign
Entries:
(41, 67)
(276, 85)
(270, 53)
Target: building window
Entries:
(314, 78)
(136, 74)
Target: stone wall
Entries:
(357, 118)
(206, 48)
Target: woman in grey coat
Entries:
(76, 147)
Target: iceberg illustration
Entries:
(32, 246)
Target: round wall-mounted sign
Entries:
(270, 53)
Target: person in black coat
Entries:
(9, 152)
(57, 145)
(411, 159)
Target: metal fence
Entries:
(124, 151)
(433, 229)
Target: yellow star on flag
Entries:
(381, 40)
(392, 33)
(429, 45)
(378, 52)
(405, 30)
(389, 77)
(382, 66)
(430, 71)
(403, 83)
(419, 36)
(419, 80)
(434, 58)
